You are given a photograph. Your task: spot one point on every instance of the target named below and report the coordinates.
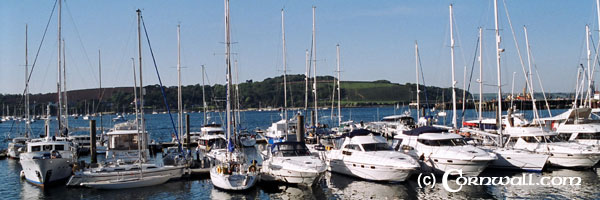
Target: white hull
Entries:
(86, 177)
(519, 160)
(468, 167)
(291, 176)
(574, 160)
(45, 171)
(234, 181)
(128, 183)
(369, 171)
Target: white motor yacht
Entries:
(396, 124)
(440, 150)
(278, 132)
(47, 160)
(576, 125)
(208, 129)
(367, 155)
(291, 162)
(16, 147)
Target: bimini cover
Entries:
(358, 132)
(424, 129)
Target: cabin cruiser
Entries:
(575, 125)
(208, 129)
(396, 124)
(440, 151)
(278, 132)
(17, 146)
(291, 162)
(47, 160)
(127, 159)
(540, 140)
(367, 155)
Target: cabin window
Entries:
(124, 142)
(552, 138)
(589, 136)
(530, 139)
(353, 147)
(512, 141)
(377, 147)
(426, 142)
(36, 148)
(567, 136)
(59, 147)
(47, 147)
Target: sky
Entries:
(376, 38)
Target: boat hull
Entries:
(519, 160)
(573, 160)
(233, 181)
(370, 171)
(131, 183)
(85, 177)
(441, 165)
(45, 172)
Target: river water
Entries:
(331, 185)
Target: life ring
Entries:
(252, 168)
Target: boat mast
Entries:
(498, 51)
(589, 66)
(285, 114)
(59, 77)
(417, 76)
(142, 121)
(535, 113)
(66, 102)
(454, 125)
(100, 86)
(203, 97)
(228, 70)
(135, 93)
(179, 100)
(28, 122)
(315, 68)
(480, 73)
(306, 81)
(338, 87)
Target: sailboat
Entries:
(126, 164)
(231, 175)
(48, 160)
(17, 145)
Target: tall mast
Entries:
(535, 113)
(315, 68)
(135, 91)
(417, 75)
(480, 73)
(285, 114)
(203, 97)
(28, 122)
(338, 87)
(142, 121)
(306, 82)
(100, 86)
(498, 50)
(59, 78)
(589, 66)
(66, 102)
(179, 100)
(228, 69)
(452, 63)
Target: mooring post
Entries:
(93, 140)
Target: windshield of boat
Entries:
(123, 142)
(445, 142)
(377, 147)
(289, 150)
(551, 138)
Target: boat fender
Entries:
(552, 126)
(219, 170)
(252, 168)
(22, 174)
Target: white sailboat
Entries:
(508, 158)
(48, 160)
(17, 145)
(231, 175)
(127, 163)
(367, 155)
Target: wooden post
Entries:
(187, 131)
(93, 140)
(300, 129)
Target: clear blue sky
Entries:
(376, 37)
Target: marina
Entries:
(316, 135)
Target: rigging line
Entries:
(424, 88)
(471, 76)
(36, 56)
(162, 89)
(80, 40)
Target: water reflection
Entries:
(342, 186)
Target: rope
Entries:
(162, 89)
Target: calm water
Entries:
(331, 186)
